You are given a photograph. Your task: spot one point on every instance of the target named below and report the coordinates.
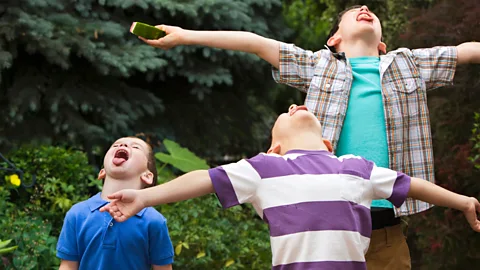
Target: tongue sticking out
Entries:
(120, 157)
(118, 161)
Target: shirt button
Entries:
(111, 224)
(328, 85)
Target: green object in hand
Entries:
(146, 31)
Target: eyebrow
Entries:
(133, 143)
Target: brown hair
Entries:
(336, 23)
(151, 164)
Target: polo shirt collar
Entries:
(95, 202)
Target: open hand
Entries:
(471, 213)
(124, 204)
(174, 36)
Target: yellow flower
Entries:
(15, 180)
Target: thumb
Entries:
(162, 27)
(116, 196)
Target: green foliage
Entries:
(3, 246)
(441, 238)
(475, 157)
(181, 158)
(313, 19)
(207, 237)
(71, 72)
(33, 217)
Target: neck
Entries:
(358, 48)
(112, 185)
(305, 141)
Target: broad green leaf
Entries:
(229, 262)
(5, 243)
(181, 158)
(178, 249)
(201, 254)
(6, 250)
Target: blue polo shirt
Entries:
(97, 241)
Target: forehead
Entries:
(136, 141)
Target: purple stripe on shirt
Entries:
(327, 265)
(313, 162)
(223, 187)
(318, 216)
(400, 189)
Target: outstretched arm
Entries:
(468, 53)
(429, 192)
(265, 48)
(128, 202)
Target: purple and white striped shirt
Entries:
(317, 205)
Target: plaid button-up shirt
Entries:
(405, 75)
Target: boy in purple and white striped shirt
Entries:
(315, 204)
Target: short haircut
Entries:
(336, 23)
(151, 164)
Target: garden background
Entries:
(72, 80)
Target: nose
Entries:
(124, 145)
(292, 107)
(364, 9)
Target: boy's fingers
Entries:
(151, 42)
(115, 196)
(114, 208)
(161, 27)
(120, 218)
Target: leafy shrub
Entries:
(204, 235)
(442, 237)
(32, 217)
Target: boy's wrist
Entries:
(467, 204)
(185, 37)
(143, 197)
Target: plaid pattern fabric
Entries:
(406, 76)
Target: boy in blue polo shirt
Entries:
(91, 239)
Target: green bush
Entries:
(442, 237)
(204, 235)
(33, 216)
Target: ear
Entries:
(334, 40)
(275, 149)
(382, 47)
(147, 177)
(101, 174)
(328, 144)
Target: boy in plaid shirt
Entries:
(371, 103)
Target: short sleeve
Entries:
(390, 185)
(160, 247)
(296, 66)
(236, 183)
(436, 65)
(67, 248)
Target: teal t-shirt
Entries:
(364, 133)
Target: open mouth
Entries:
(120, 156)
(364, 16)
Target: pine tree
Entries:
(72, 73)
